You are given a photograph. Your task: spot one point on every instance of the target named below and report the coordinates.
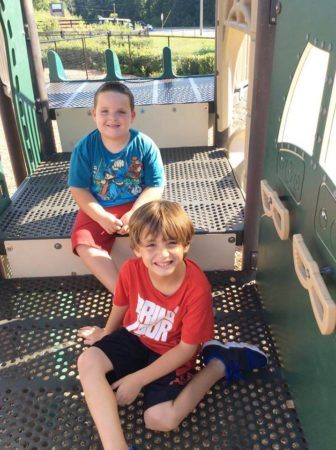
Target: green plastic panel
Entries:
(325, 220)
(308, 357)
(21, 82)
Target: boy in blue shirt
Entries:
(113, 170)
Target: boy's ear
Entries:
(133, 114)
(136, 252)
(93, 113)
(186, 249)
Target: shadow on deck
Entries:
(42, 406)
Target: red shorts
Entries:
(88, 232)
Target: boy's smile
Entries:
(113, 116)
(164, 259)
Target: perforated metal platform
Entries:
(199, 178)
(42, 406)
(146, 92)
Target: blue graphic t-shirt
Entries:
(116, 178)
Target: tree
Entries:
(179, 12)
(131, 9)
(41, 5)
(91, 9)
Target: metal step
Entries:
(42, 406)
(181, 90)
(167, 110)
(39, 220)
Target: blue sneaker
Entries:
(237, 357)
(132, 448)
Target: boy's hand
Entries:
(110, 223)
(125, 219)
(91, 334)
(127, 389)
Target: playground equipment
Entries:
(113, 71)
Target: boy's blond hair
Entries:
(160, 217)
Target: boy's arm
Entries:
(94, 334)
(149, 194)
(129, 387)
(115, 318)
(88, 204)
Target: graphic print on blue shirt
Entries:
(116, 179)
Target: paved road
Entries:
(206, 32)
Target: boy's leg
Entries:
(93, 365)
(168, 415)
(93, 245)
(229, 360)
(100, 263)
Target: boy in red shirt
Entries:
(161, 315)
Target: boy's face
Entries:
(113, 116)
(162, 258)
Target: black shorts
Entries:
(128, 355)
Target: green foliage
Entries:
(176, 12)
(41, 5)
(46, 22)
(137, 56)
(196, 64)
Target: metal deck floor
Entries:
(42, 406)
(201, 179)
(79, 94)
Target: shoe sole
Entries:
(237, 345)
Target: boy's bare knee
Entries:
(84, 361)
(161, 419)
(91, 362)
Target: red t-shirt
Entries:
(162, 321)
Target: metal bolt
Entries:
(58, 246)
(232, 240)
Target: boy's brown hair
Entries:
(160, 217)
(114, 86)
